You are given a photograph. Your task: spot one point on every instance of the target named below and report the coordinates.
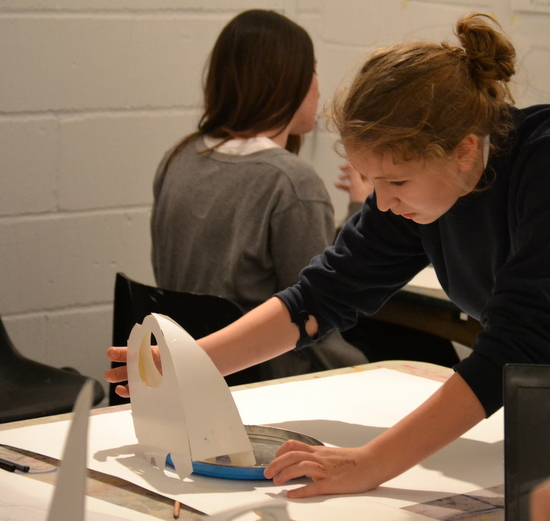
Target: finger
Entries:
(117, 354)
(156, 354)
(293, 446)
(123, 391)
(117, 374)
(312, 489)
(314, 470)
(287, 456)
(341, 186)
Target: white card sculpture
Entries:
(187, 411)
(69, 496)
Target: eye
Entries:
(397, 183)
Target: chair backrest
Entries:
(198, 314)
(7, 349)
(30, 389)
(526, 435)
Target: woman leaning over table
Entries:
(461, 180)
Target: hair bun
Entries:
(490, 53)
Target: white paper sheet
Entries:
(348, 509)
(344, 410)
(426, 279)
(25, 499)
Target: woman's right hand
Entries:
(540, 502)
(118, 374)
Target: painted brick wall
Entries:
(91, 95)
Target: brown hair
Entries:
(418, 100)
(259, 72)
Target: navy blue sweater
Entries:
(490, 251)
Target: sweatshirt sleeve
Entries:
(374, 256)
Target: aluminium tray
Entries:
(265, 441)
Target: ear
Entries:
(466, 152)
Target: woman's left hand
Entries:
(334, 470)
(450, 412)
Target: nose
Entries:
(385, 200)
(316, 86)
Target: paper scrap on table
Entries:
(344, 410)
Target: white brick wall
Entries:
(91, 95)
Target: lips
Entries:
(405, 215)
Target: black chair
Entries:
(198, 314)
(29, 389)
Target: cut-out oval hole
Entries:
(150, 374)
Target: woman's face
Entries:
(303, 120)
(415, 190)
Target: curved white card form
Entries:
(187, 411)
(68, 500)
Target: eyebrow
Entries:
(377, 178)
(391, 178)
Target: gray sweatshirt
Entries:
(242, 227)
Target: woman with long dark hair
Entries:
(236, 212)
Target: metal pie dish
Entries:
(265, 441)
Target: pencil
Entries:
(177, 506)
(17, 466)
(10, 467)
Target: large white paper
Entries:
(25, 499)
(348, 509)
(344, 410)
(426, 279)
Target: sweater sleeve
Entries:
(374, 256)
(516, 318)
